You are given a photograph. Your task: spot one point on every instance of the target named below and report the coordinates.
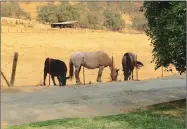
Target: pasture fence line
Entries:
(48, 30)
(22, 80)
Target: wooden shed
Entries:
(68, 24)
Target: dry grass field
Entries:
(33, 48)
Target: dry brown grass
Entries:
(14, 25)
(33, 48)
(31, 7)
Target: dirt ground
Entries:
(101, 99)
(33, 48)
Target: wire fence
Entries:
(60, 30)
(30, 72)
(48, 30)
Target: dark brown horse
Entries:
(128, 63)
(92, 60)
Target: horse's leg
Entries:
(45, 74)
(63, 78)
(58, 77)
(125, 77)
(53, 78)
(77, 71)
(100, 73)
(78, 74)
(129, 76)
(132, 74)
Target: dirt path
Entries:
(84, 101)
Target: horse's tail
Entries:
(70, 69)
(126, 66)
(129, 64)
(139, 64)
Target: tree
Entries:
(113, 20)
(139, 22)
(95, 6)
(47, 13)
(67, 12)
(52, 13)
(95, 20)
(167, 30)
(13, 9)
(5, 10)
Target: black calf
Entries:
(56, 68)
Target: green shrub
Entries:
(12, 9)
(167, 30)
(113, 20)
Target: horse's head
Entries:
(114, 74)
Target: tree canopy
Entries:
(13, 9)
(93, 15)
(167, 31)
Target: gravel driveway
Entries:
(93, 100)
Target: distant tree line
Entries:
(93, 15)
(13, 9)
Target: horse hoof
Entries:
(99, 81)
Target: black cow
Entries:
(56, 68)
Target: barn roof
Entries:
(68, 22)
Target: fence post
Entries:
(162, 72)
(112, 66)
(14, 69)
(5, 79)
(136, 67)
(83, 72)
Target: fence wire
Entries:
(48, 30)
(30, 71)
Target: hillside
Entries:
(31, 7)
(113, 16)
